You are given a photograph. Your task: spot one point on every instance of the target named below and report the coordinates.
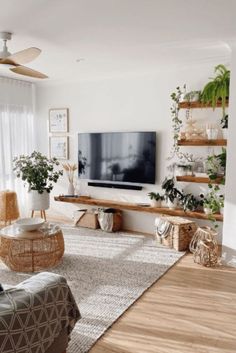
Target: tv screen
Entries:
(117, 156)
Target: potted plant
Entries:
(224, 125)
(183, 169)
(39, 173)
(217, 89)
(192, 96)
(211, 202)
(155, 198)
(215, 165)
(189, 202)
(172, 194)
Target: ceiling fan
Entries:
(14, 61)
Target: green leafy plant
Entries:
(216, 165)
(37, 170)
(189, 202)
(218, 88)
(224, 121)
(171, 192)
(212, 201)
(155, 196)
(176, 121)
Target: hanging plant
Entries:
(176, 121)
(217, 89)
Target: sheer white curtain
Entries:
(16, 131)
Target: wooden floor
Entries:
(191, 309)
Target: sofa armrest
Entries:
(43, 304)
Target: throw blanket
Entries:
(33, 313)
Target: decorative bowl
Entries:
(29, 224)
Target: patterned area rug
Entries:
(107, 273)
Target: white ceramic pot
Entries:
(155, 203)
(225, 133)
(172, 204)
(212, 134)
(207, 210)
(38, 201)
(164, 204)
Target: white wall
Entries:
(122, 104)
(229, 230)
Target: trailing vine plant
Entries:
(176, 121)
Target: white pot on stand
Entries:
(37, 201)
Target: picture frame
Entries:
(59, 147)
(59, 120)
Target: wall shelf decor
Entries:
(136, 207)
(201, 180)
(205, 142)
(198, 105)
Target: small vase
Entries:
(71, 189)
(222, 210)
(212, 134)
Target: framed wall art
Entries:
(59, 147)
(59, 120)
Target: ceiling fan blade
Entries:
(26, 71)
(25, 56)
(8, 61)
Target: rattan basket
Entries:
(180, 233)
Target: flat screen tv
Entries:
(128, 157)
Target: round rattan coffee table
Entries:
(31, 251)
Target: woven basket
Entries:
(179, 234)
(116, 221)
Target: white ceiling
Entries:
(116, 37)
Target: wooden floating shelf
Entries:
(199, 105)
(136, 207)
(219, 142)
(193, 179)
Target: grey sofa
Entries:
(37, 315)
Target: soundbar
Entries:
(115, 186)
